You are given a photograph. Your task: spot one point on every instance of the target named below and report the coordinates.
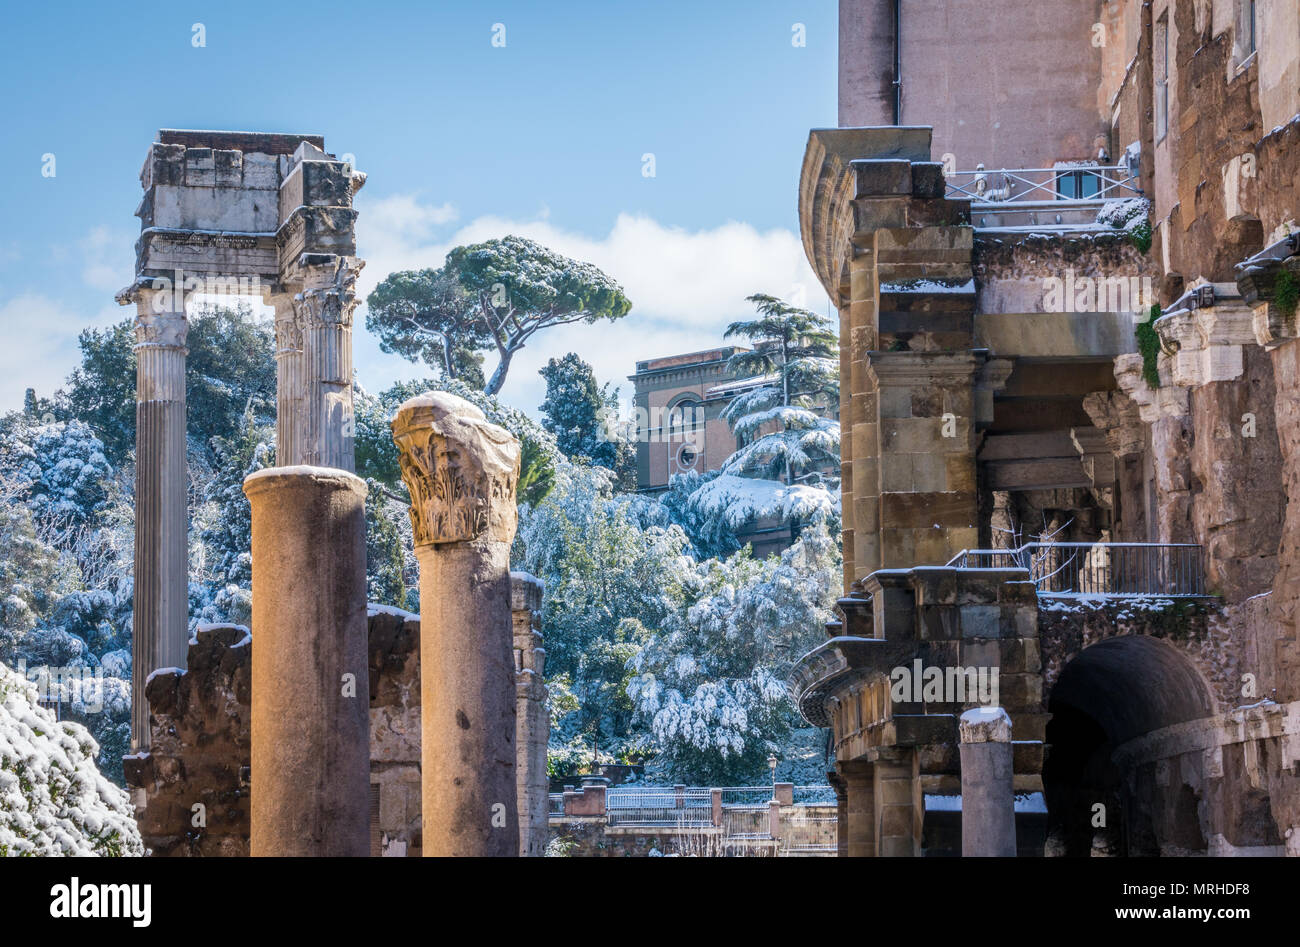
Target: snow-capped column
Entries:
(532, 720)
(325, 308)
(290, 388)
(988, 817)
(311, 683)
(461, 472)
(159, 628)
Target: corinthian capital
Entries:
(460, 469)
(329, 296)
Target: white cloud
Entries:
(685, 286)
(39, 345)
(108, 258)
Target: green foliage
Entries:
(794, 364)
(101, 390)
(583, 417)
(427, 314)
(1286, 294)
(492, 294)
(385, 552)
(1140, 236)
(1148, 341)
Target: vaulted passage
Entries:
(1112, 692)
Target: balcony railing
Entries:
(1081, 183)
(1100, 570)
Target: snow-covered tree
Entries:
(62, 470)
(607, 578)
(711, 685)
(53, 801)
(583, 417)
(514, 287)
(794, 370)
(227, 533)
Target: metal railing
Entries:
(665, 805)
(555, 803)
(1100, 570)
(1080, 183)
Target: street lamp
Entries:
(771, 764)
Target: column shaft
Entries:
(461, 472)
(988, 816)
(311, 683)
(160, 634)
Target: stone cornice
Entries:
(828, 187)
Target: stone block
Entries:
(928, 180)
(882, 177)
(200, 168)
(980, 621)
(229, 168)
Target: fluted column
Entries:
(461, 472)
(324, 313)
(289, 381)
(532, 721)
(160, 635)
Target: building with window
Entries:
(1062, 239)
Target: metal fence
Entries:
(1101, 570)
(666, 806)
(1020, 185)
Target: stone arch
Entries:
(1106, 696)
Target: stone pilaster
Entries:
(988, 817)
(897, 803)
(928, 505)
(324, 311)
(859, 810)
(461, 472)
(846, 443)
(160, 633)
(311, 680)
(532, 720)
(864, 482)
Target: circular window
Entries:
(687, 457)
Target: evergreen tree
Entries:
(498, 293)
(583, 417)
(794, 370)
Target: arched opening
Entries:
(1112, 692)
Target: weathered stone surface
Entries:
(461, 472)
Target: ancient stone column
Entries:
(532, 720)
(988, 818)
(461, 472)
(290, 383)
(324, 314)
(311, 683)
(160, 634)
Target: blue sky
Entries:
(461, 141)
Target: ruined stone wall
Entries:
(191, 786)
(201, 724)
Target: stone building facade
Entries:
(1007, 388)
